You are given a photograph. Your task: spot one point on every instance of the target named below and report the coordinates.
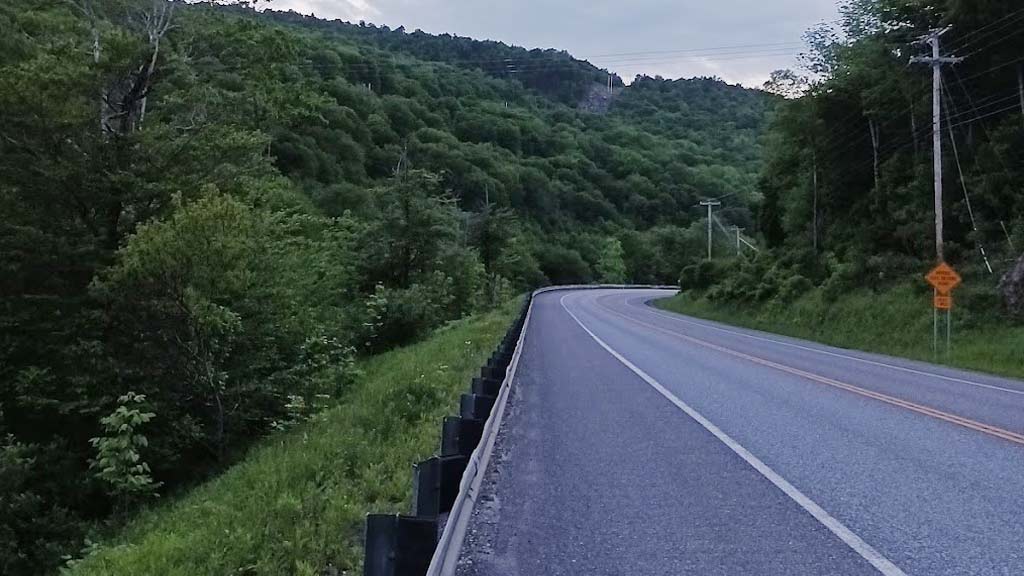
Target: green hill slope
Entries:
(296, 504)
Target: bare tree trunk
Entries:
(874, 129)
(157, 25)
(1020, 87)
(814, 183)
(123, 102)
(913, 131)
(221, 435)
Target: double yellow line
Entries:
(892, 400)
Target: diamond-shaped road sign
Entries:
(943, 278)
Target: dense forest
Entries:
(207, 214)
(847, 181)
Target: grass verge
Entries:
(296, 504)
(897, 322)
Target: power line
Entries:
(718, 48)
(970, 100)
(963, 182)
(1015, 18)
(989, 25)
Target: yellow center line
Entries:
(892, 400)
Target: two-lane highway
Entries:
(643, 442)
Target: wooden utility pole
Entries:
(710, 204)
(739, 239)
(936, 61)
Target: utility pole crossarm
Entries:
(936, 61)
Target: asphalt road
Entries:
(638, 441)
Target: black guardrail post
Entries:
(398, 545)
(485, 386)
(459, 436)
(436, 484)
(475, 407)
(493, 372)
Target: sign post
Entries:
(943, 279)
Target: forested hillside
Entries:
(847, 181)
(207, 214)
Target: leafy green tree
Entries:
(119, 463)
(417, 220)
(611, 265)
(564, 266)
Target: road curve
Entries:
(639, 441)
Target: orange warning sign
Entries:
(943, 302)
(944, 279)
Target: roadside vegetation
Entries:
(845, 217)
(893, 317)
(296, 503)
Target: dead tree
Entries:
(123, 98)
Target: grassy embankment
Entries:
(896, 322)
(296, 504)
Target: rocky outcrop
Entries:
(1012, 289)
(599, 98)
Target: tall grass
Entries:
(896, 322)
(296, 504)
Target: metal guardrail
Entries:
(446, 486)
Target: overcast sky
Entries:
(673, 38)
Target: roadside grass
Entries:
(896, 322)
(296, 504)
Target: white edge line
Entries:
(865, 550)
(449, 546)
(681, 318)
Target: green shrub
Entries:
(794, 287)
(700, 276)
(564, 266)
(35, 530)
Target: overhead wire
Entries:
(948, 102)
(1014, 18)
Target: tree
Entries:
(495, 232)
(416, 221)
(118, 462)
(611, 266)
(564, 266)
(786, 83)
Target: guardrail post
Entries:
(493, 372)
(398, 545)
(475, 406)
(485, 386)
(436, 484)
(459, 436)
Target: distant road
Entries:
(643, 442)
